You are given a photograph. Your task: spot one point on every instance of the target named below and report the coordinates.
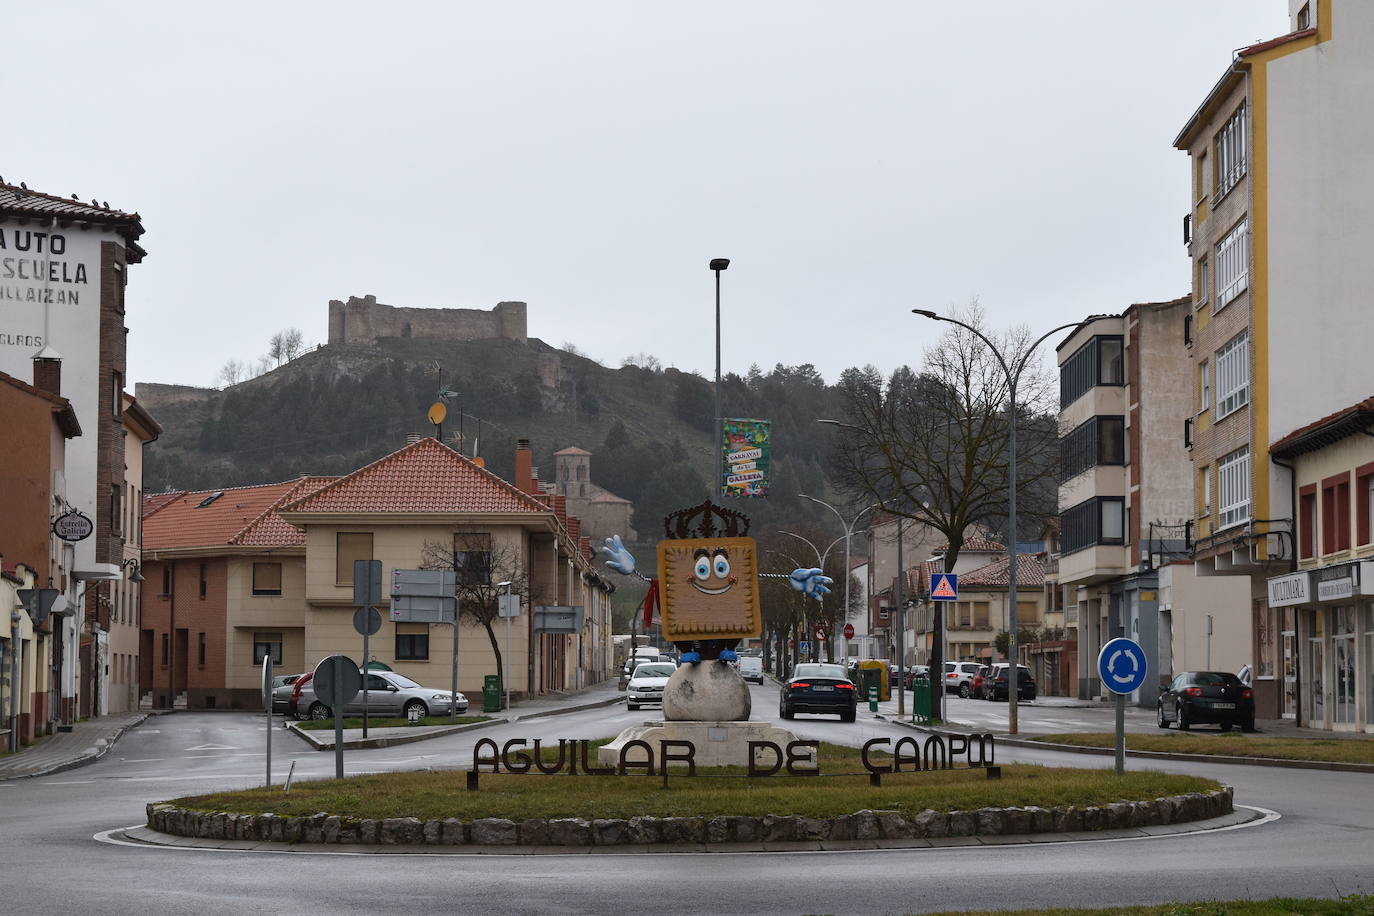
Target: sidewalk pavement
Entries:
(90, 739)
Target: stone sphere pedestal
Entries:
(709, 691)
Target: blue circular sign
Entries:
(1122, 666)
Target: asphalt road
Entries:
(50, 862)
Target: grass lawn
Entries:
(1355, 905)
(1229, 744)
(312, 725)
(842, 788)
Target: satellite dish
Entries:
(437, 412)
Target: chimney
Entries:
(524, 467)
(47, 375)
(560, 508)
(574, 528)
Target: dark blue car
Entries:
(824, 689)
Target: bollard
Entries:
(873, 698)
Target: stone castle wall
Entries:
(363, 320)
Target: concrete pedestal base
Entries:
(718, 744)
(709, 691)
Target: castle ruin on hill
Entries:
(363, 320)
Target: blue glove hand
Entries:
(810, 582)
(729, 655)
(617, 557)
(690, 658)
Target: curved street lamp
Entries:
(1013, 374)
(848, 533)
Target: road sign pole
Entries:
(338, 722)
(267, 702)
(1120, 733)
(1123, 667)
(364, 667)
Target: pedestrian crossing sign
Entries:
(944, 587)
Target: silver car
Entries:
(283, 685)
(388, 694)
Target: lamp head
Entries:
(926, 313)
(504, 584)
(136, 573)
(720, 263)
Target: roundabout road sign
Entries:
(1122, 666)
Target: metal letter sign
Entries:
(558, 618)
(944, 587)
(423, 596)
(1122, 666)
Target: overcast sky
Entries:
(853, 160)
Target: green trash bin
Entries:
(491, 693)
(920, 699)
(872, 680)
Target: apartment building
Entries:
(1279, 244)
(1125, 495)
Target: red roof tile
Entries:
(189, 520)
(1030, 572)
(1329, 428)
(976, 545)
(21, 203)
(425, 476)
(271, 530)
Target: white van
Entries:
(751, 668)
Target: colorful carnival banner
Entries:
(745, 452)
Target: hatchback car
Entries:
(647, 683)
(997, 687)
(959, 677)
(1207, 696)
(388, 694)
(819, 689)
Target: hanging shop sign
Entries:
(746, 452)
(73, 526)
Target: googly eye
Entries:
(722, 567)
(703, 568)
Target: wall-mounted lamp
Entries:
(135, 569)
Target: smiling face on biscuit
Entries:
(709, 588)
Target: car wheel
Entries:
(785, 711)
(632, 706)
(964, 691)
(1226, 726)
(1160, 720)
(848, 716)
(1181, 717)
(320, 711)
(1248, 725)
(415, 709)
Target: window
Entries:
(1187, 330)
(1230, 145)
(265, 645)
(1233, 485)
(1307, 522)
(1097, 362)
(165, 646)
(116, 508)
(1336, 513)
(1364, 506)
(204, 579)
(1101, 520)
(1204, 281)
(166, 578)
(1205, 490)
(980, 614)
(1204, 377)
(1204, 175)
(412, 642)
(267, 578)
(1233, 264)
(1304, 20)
(348, 547)
(200, 651)
(1233, 375)
(1099, 441)
(472, 558)
(1187, 432)
(117, 394)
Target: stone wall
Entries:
(363, 320)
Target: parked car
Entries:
(959, 677)
(979, 679)
(915, 673)
(647, 683)
(751, 668)
(283, 685)
(820, 689)
(388, 694)
(996, 683)
(1207, 696)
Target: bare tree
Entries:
(932, 447)
(643, 361)
(292, 342)
(276, 347)
(480, 566)
(232, 372)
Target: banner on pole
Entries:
(745, 452)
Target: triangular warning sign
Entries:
(943, 588)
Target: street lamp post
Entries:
(848, 533)
(1013, 376)
(821, 556)
(505, 678)
(717, 265)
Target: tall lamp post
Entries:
(1013, 374)
(717, 265)
(848, 533)
(821, 555)
(506, 613)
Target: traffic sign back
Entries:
(337, 681)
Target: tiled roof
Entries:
(425, 476)
(1275, 42)
(571, 450)
(1030, 572)
(271, 530)
(1328, 429)
(154, 502)
(20, 203)
(976, 545)
(184, 522)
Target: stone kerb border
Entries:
(862, 825)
